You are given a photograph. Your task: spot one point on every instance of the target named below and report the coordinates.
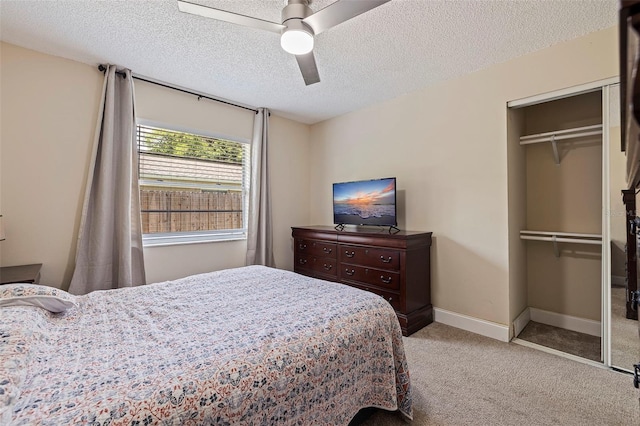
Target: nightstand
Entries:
(20, 274)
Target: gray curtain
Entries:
(260, 234)
(109, 253)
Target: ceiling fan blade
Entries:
(339, 12)
(307, 64)
(234, 18)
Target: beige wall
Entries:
(517, 213)
(49, 111)
(49, 107)
(184, 111)
(569, 284)
(565, 197)
(290, 159)
(447, 145)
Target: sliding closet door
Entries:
(624, 342)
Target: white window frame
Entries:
(199, 237)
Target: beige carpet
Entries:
(461, 378)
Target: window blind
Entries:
(191, 183)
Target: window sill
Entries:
(173, 239)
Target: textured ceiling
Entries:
(396, 48)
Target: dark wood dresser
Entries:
(394, 266)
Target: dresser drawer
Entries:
(392, 298)
(373, 257)
(376, 277)
(315, 248)
(316, 265)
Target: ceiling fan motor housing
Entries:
(296, 9)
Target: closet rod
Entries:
(562, 234)
(562, 132)
(560, 240)
(553, 137)
(558, 138)
(179, 89)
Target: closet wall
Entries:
(564, 197)
(563, 194)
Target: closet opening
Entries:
(555, 154)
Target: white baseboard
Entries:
(618, 281)
(474, 325)
(521, 322)
(502, 332)
(567, 322)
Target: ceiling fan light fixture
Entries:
(296, 38)
(298, 27)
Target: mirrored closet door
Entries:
(623, 325)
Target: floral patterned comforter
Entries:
(250, 346)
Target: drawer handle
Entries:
(388, 260)
(349, 272)
(327, 249)
(302, 246)
(327, 267)
(302, 261)
(346, 253)
(385, 280)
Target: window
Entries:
(193, 188)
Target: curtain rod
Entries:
(103, 68)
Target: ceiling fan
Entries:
(299, 25)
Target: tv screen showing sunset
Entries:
(369, 202)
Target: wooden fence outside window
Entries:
(185, 211)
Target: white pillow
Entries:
(23, 294)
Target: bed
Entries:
(251, 345)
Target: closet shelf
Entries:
(561, 237)
(560, 135)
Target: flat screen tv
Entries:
(365, 202)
